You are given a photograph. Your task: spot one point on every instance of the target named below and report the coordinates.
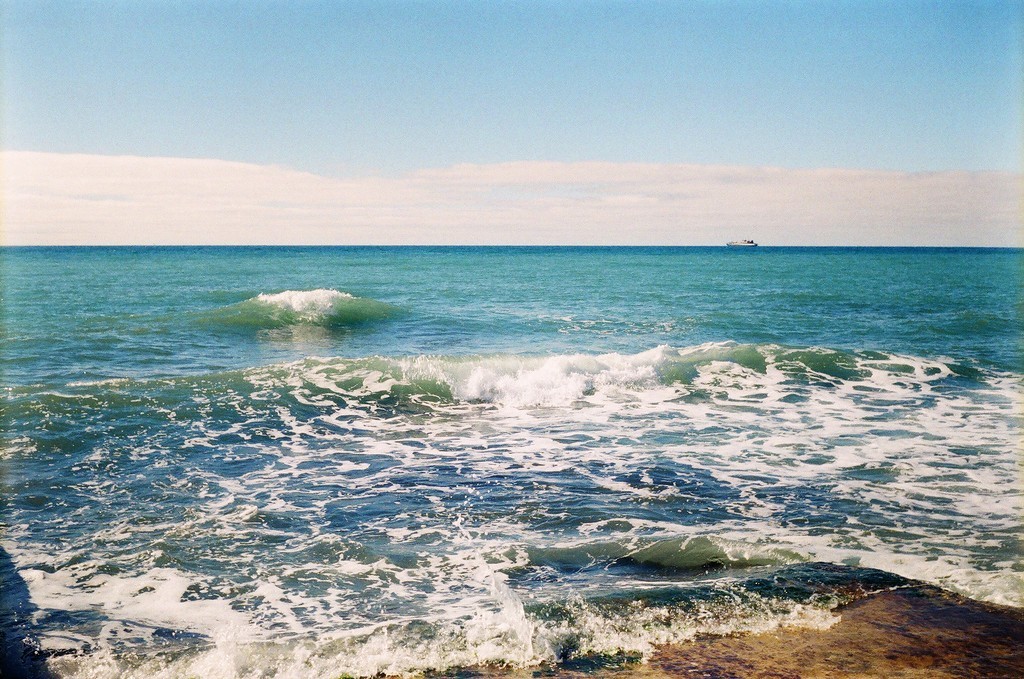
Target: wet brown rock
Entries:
(917, 633)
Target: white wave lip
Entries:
(542, 381)
(311, 304)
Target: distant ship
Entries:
(742, 244)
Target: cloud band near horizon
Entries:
(77, 199)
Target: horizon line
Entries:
(493, 246)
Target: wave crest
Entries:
(698, 553)
(321, 307)
(567, 380)
(741, 375)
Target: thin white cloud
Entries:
(51, 198)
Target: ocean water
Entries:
(325, 462)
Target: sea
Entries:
(239, 462)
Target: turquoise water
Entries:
(242, 462)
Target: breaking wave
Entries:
(322, 307)
(766, 377)
(570, 379)
(504, 630)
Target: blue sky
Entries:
(851, 122)
(389, 87)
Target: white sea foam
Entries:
(539, 381)
(310, 303)
(491, 626)
(154, 598)
(376, 515)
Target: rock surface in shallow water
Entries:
(918, 632)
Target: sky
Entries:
(845, 122)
